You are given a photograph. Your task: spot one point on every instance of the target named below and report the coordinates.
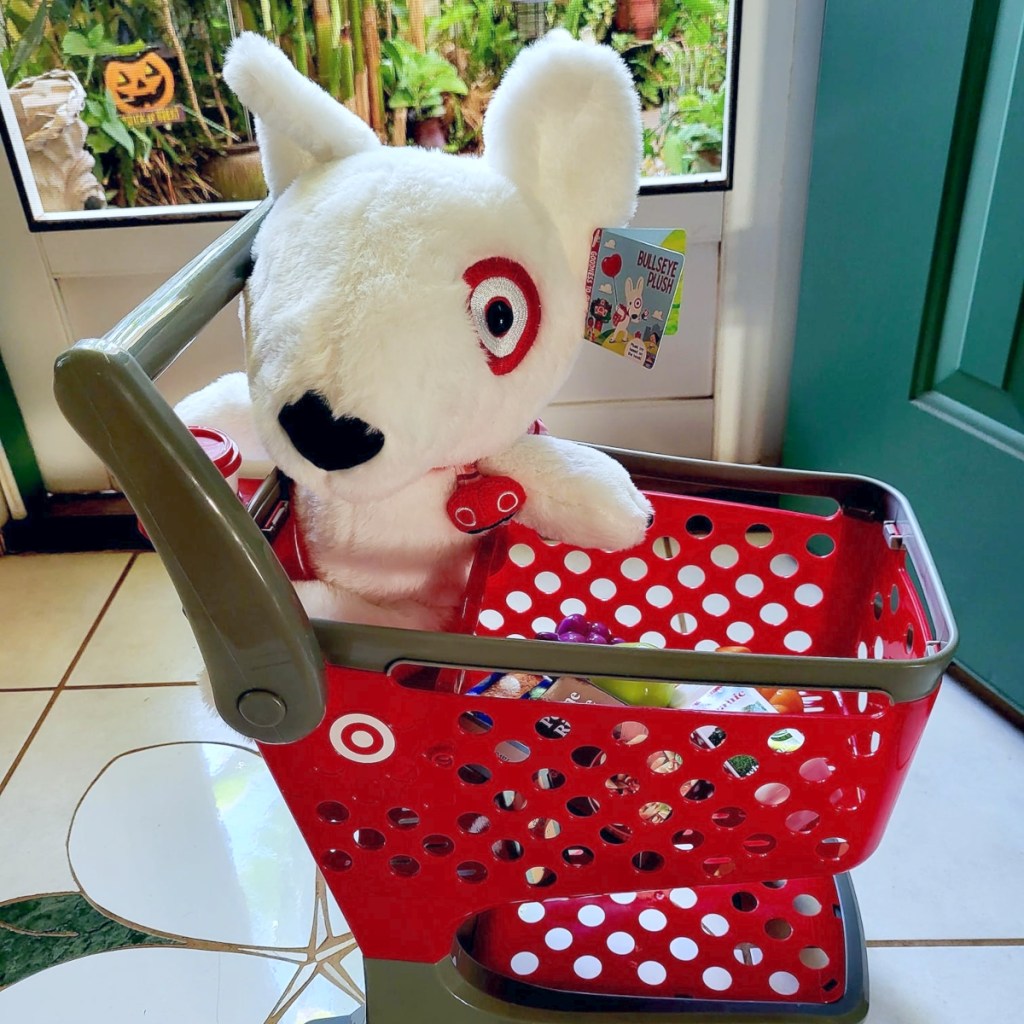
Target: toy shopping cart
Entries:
(527, 860)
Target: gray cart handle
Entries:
(264, 657)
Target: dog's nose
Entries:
(328, 441)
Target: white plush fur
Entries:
(358, 294)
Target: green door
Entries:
(909, 362)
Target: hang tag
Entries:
(634, 288)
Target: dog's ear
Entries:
(298, 125)
(564, 126)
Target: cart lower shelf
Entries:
(784, 950)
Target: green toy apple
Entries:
(633, 691)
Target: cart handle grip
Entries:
(262, 656)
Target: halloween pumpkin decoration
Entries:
(140, 85)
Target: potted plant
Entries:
(417, 83)
(637, 16)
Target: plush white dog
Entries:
(409, 315)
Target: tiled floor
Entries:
(149, 872)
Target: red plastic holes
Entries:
(509, 800)
(648, 860)
(849, 798)
(687, 839)
(472, 872)
(622, 784)
(369, 839)
(699, 526)
(475, 723)
(616, 834)
(404, 867)
(833, 848)
(507, 849)
(540, 877)
(474, 774)
(335, 860)
(697, 789)
(582, 806)
(544, 828)
(578, 856)
(718, 867)
(332, 812)
(778, 928)
(403, 818)
(655, 813)
(589, 757)
(438, 845)
(664, 762)
(729, 817)
(473, 824)
(630, 733)
(548, 778)
(759, 844)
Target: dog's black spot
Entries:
(328, 441)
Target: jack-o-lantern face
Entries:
(144, 84)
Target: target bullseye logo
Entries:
(362, 738)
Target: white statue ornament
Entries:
(48, 109)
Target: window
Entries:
(116, 111)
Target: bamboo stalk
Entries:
(371, 47)
(417, 25)
(398, 131)
(217, 98)
(190, 86)
(301, 46)
(327, 66)
(346, 87)
(355, 20)
(362, 95)
(268, 21)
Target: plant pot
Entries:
(638, 16)
(709, 160)
(237, 174)
(430, 134)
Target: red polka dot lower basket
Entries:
(617, 854)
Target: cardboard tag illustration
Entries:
(634, 288)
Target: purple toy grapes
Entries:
(575, 629)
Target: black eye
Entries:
(500, 317)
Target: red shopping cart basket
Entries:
(516, 860)
(717, 834)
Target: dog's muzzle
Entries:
(328, 441)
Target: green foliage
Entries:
(418, 81)
(679, 74)
(483, 35)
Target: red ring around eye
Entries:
(499, 279)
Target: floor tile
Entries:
(18, 713)
(167, 986)
(144, 636)
(946, 985)
(83, 732)
(206, 849)
(951, 864)
(48, 603)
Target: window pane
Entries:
(121, 107)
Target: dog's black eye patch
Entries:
(327, 441)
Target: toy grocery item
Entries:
(409, 315)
